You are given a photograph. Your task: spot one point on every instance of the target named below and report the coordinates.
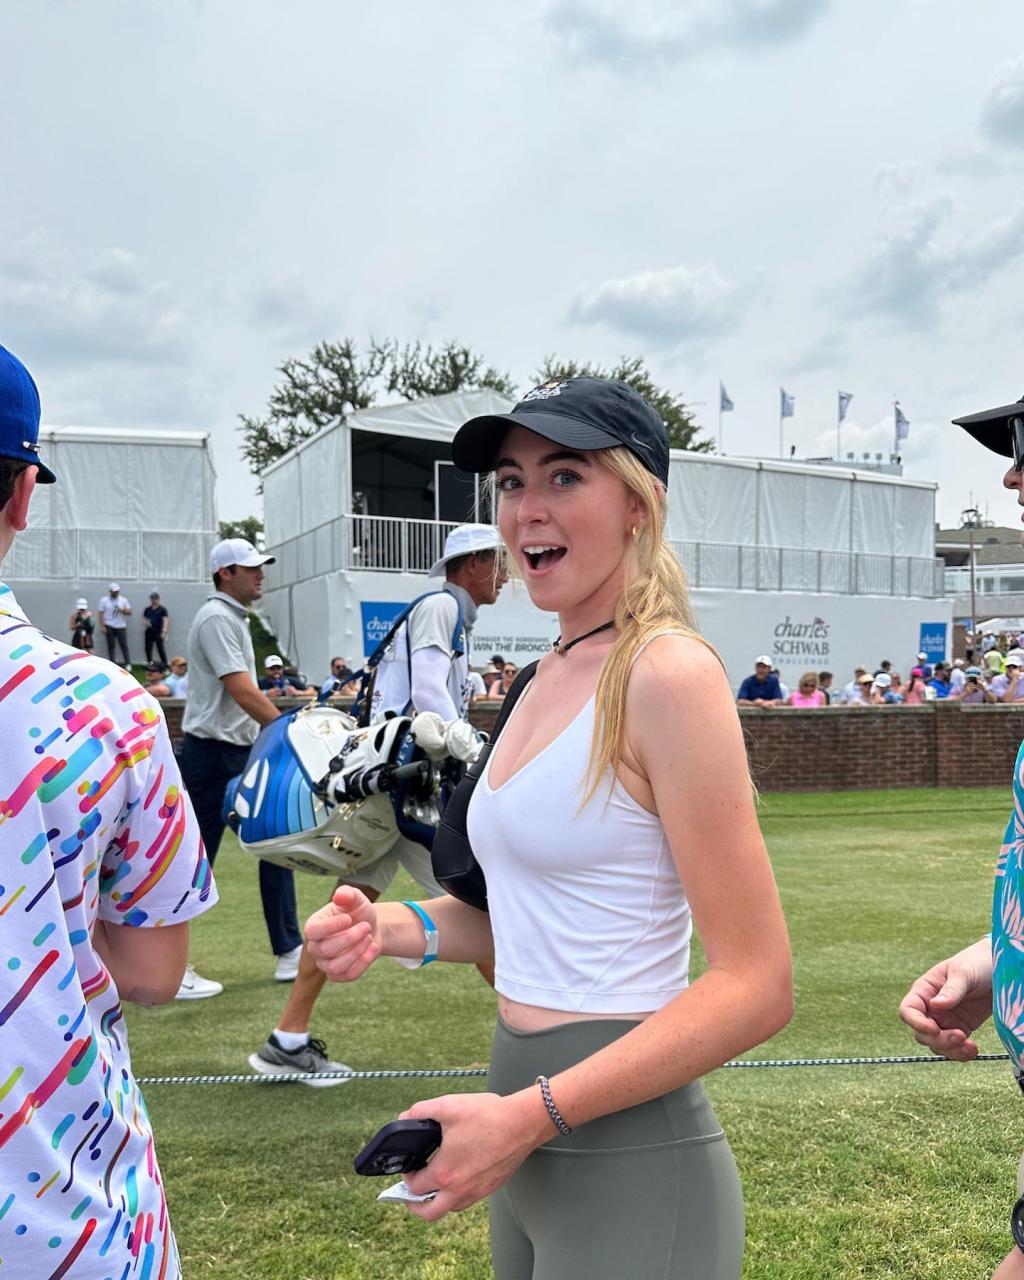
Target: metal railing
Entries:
(147, 555)
(988, 579)
(383, 544)
(392, 545)
(848, 573)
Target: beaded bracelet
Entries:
(553, 1111)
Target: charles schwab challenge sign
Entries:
(378, 618)
(794, 640)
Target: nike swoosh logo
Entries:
(633, 437)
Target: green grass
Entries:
(903, 1171)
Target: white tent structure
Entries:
(135, 506)
(818, 566)
(997, 626)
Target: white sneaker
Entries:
(193, 987)
(287, 967)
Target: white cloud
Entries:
(666, 31)
(669, 308)
(91, 305)
(288, 310)
(827, 352)
(878, 437)
(1002, 116)
(919, 263)
(971, 162)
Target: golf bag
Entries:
(322, 795)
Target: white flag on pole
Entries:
(902, 424)
(787, 404)
(844, 403)
(724, 403)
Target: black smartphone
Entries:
(400, 1147)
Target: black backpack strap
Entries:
(368, 676)
(512, 697)
(455, 867)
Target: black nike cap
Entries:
(580, 413)
(995, 428)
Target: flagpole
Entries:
(781, 420)
(895, 430)
(720, 449)
(839, 431)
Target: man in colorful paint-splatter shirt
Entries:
(102, 866)
(948, 1003)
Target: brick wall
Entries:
(843, 748)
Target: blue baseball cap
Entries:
(580, 413)
(19, 415)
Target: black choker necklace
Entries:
(563, 649)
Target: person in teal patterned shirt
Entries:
(946, 1005)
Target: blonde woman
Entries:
(615, 808)
(807, 693)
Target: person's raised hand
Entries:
(949, 1002)
(344, 936)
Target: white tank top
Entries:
(587, 910)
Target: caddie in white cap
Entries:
(424, 669)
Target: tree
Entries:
(679, 422)
(250, 528)
(335, 380)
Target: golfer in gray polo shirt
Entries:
(223, 715)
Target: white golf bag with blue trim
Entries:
(321, 795)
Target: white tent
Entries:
(995, 626)
(813, 564)
(135, 506)
(127, 504)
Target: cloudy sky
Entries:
(801, 193)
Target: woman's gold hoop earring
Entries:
(634, 533)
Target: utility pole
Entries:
(970, 519)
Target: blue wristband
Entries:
(430, 939)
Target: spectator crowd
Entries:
(992, 672)
(999, 678)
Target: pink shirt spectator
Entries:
(815, 699)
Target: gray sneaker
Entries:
(273, 1060)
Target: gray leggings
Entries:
(650, 1193)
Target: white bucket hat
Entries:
(463, 541)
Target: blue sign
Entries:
(933, 641)
(378, 619)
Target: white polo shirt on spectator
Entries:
(111, 610)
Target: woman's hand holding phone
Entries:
(486, 1138)
(344, 937)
